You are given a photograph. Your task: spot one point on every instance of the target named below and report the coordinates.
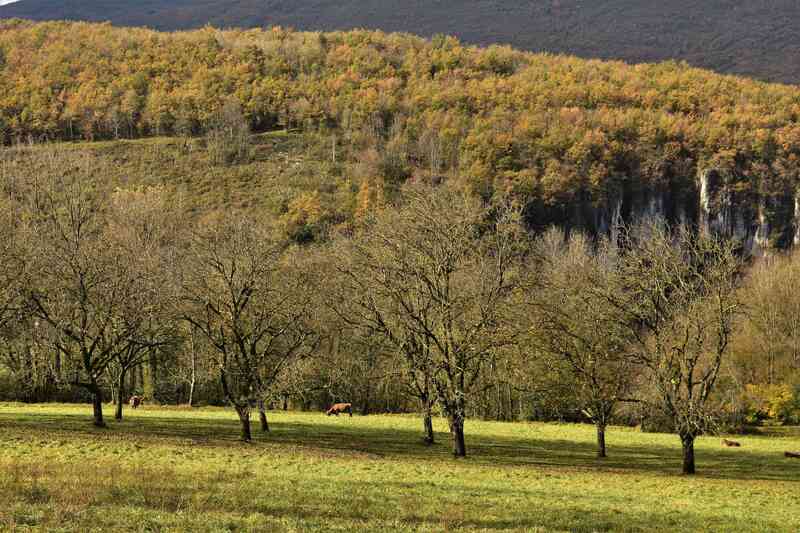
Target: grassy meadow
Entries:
(165, 469)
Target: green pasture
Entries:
(165, 469)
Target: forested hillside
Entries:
(578, 142)
(753, 38)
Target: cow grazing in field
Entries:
(340, 408)
(730, 443)
(792, 455)
(136, 401)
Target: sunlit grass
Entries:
(180, 469)
(284, 165)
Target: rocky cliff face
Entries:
(762, 223)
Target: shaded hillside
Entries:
(759, 38)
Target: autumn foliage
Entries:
(541, 127)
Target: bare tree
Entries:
(12, 258)
(145, 224)
(193, 364)
(228, 138)
(252, 308)
(189, 365)
(773, 317)
(579, 332)
(354, 297)
(676, 294)
(24, 351)
(420, 379)
(84, 284)
(434, 278)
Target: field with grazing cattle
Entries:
(165, 469)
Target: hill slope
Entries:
(759, 38)
(577, 142)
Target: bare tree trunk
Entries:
(457, 431)
(262, 416)
(285, 402)
(770, 367)
(428, 421)
(501, 410)
(193, 377)
(366, 401)
(97, 405)
(601, 440)
(150, 388)
(688, 454)
(120, 395)
(244, 418)
(114, 395)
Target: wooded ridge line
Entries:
(743, 37)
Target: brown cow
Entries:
(340, 408)
(792, 455)
(730, 443)
(136, 401)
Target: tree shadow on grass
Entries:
(330, 437)
(479, 511)
(391, 505)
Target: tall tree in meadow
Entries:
(360, 299)
(145, 223)
(576, 329)
(253, 308)
(355, 299)
(435, 278)
(676, 292)
(84, 285)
